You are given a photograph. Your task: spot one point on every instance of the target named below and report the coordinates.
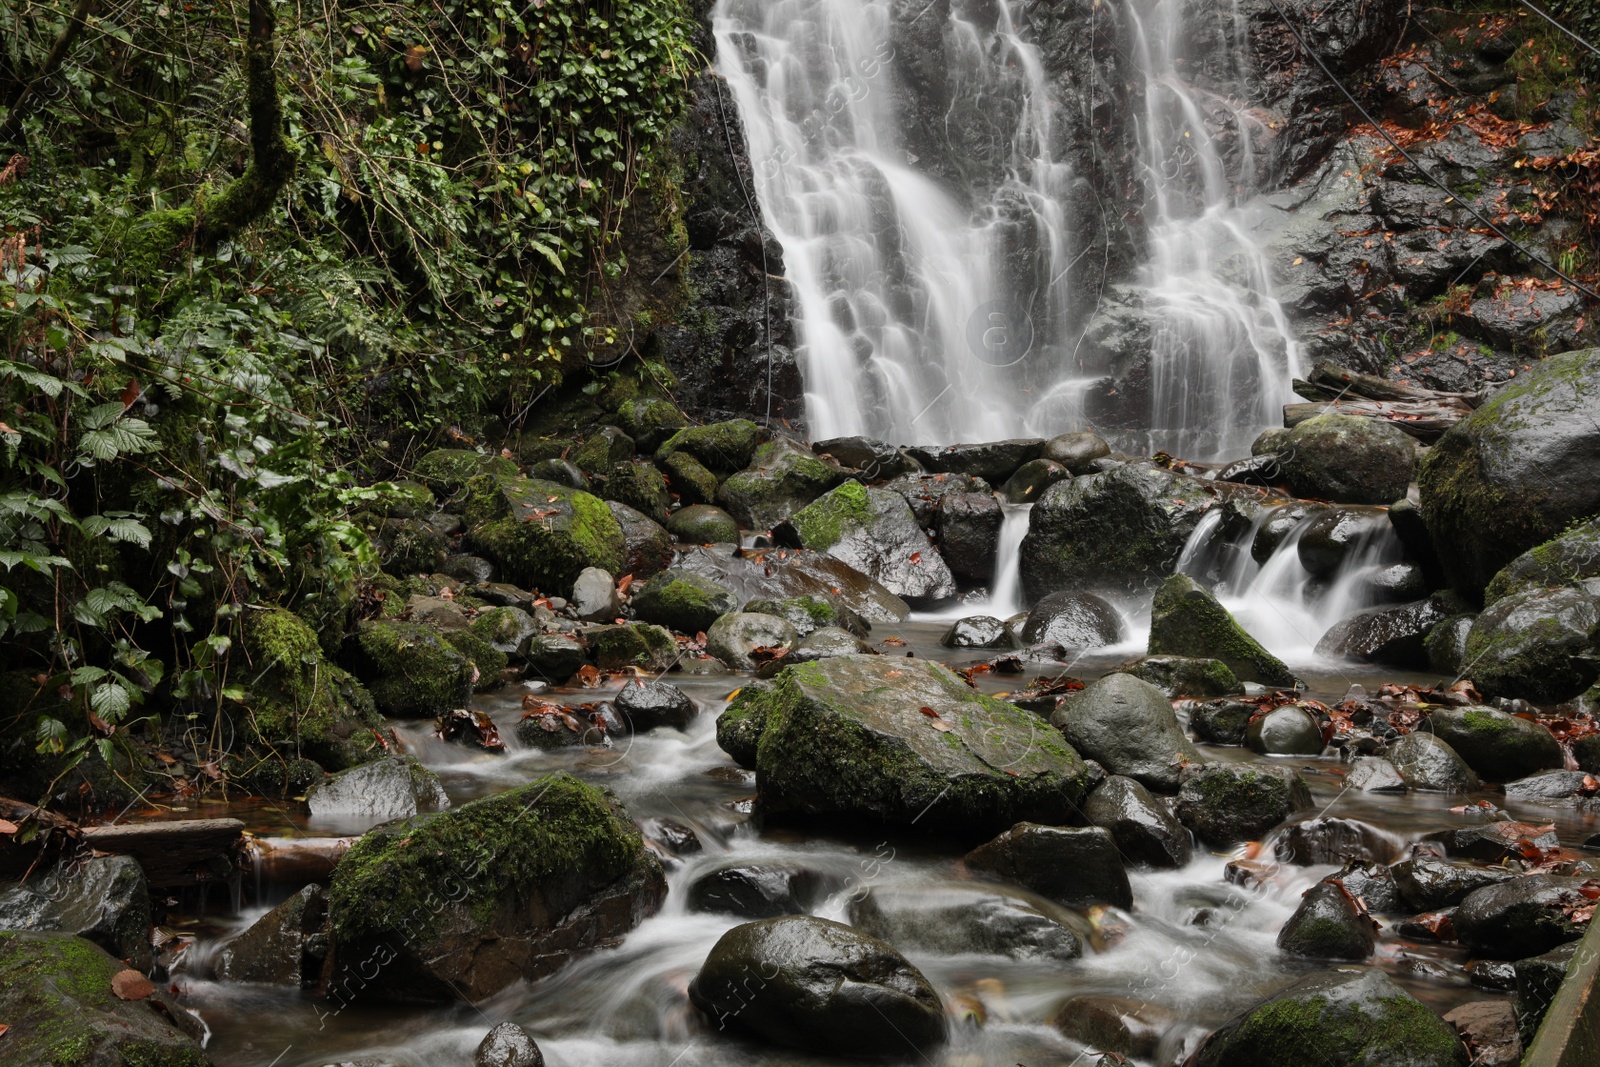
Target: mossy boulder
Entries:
(703, 524)
(541, 535)
(782, 478)
(1498, 746)
(1519, 469)
(808, 614)
(684, 601)
(603, 449)
(1562, 561)
(410, 669)
(1346, 1017)
(409, 546)
(1225, 805)
(650, 420)
(633, 644)
(1538, 645)
(875, 532)
(461, 904)
(506, 629)
(847, 736)
(742, 722)
(1187, 620)
(57, 1003)
(1348, 460)
(1111, 531)
(690, 478)
(637, 484)
(1185, 676)
(448, 470)
(487, 661)
(1327, 926)
(300, 703)
(721, 447)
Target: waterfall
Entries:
(1222, 355)
(1280, 603)
(927, 310)
(1005, 592)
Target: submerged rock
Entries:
(1428, 764)
(1073, 621)
(1129, 727)
(1327, 926)
(1225, 805)
(957, 918)
(57, 1001)
(463, 903)
(1497, 746)
(1144, 829)
(849, 736)
(759, 890)
(819, 986)
(284, 947)
(1514, 473)
(1073, 866)
(1187, 620)
(1351, 1016)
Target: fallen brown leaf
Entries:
(131, 985)
(7, 827)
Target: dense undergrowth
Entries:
(254, 256)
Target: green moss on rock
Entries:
(823, 522)
(487, 661)
(447, 470)
(683, 601)
(411, 670)
(634, 644)
(539, 534)
(1186, 620)
(690, 478)
(723, 447)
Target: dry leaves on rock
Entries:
(131, 985)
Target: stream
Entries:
(1194, 949)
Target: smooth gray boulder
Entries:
(1129, 727)
(394, 787)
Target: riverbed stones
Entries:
(1106, 532)
(978, 631)
(1327, 926)
(1374, 774)
(1129, 727)
(57, 1002)
(554, 657)
(828, 642)
(1073, 621)
(817, 985)
(1225, 804)
(1337, 536)
(541, 535)
(646, 545)
(635, 644)
(1489, 1027)
(695, 485)
(103, 899)
(1428, 883)
(1185, 676)
(874, 459)
(1522, 917)
(703, 524)
(284, 947)
(1076, 451)
(1393, 636)
(903, 742)
(461, 904)
(1187, 620)
(783, 477)
(508, 1045)
(1431, 765)
(1286, 731)
(646, 703)
(1539, 645)
(737, 639)
(1329, 839)
(759, 890)
(1517, 471)
(1348, 460)
(1144, 829)
(1221, 722)
(1075, 866)
(1352, 1016)
(394, 787)
(594, 596)
(684, 601)
(812, 612)
(956, 918)
(1497, 746)
(410, 669)
(993, 461)
(874, 531)
(1125, 1026)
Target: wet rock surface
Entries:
(954, 918)
(1129, 727)
(1073, 866)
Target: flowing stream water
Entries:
(916, 326)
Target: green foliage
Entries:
(190, 432)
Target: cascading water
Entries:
(917, 302)
(1222, 356)
(1280, 602)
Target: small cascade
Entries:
(1280, 602)
(1005, 591)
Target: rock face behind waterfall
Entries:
(1515, 473)
(463, 903)
(1125, 527)
(904, 742)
